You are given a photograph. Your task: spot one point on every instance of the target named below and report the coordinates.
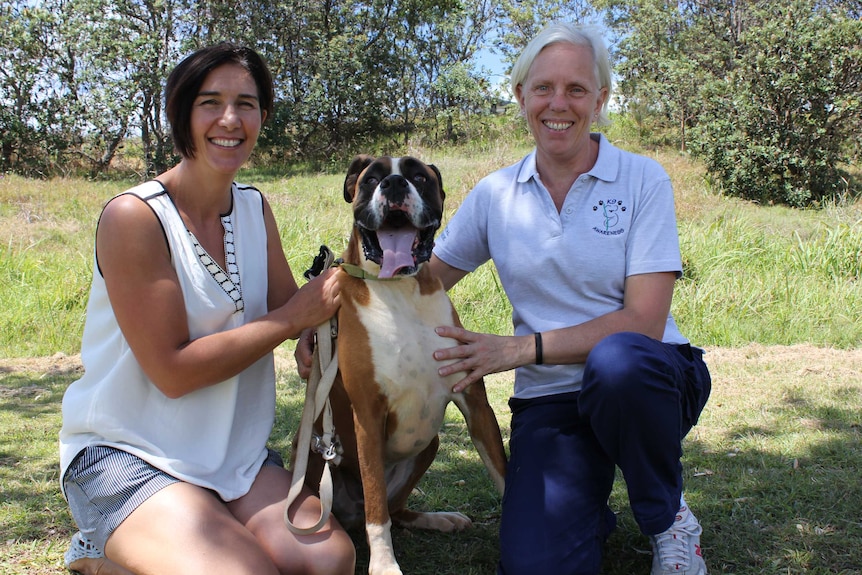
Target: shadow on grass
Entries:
(785, 498)
(775, 495)
(31, 507)
(782, 499)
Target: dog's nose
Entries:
(395, 188)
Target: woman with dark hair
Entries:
(163, 445)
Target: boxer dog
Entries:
(388, 402)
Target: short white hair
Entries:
(579, 35)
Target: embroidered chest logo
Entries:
(608, 212)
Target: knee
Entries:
(616, 362)
(340, 555)
(330, 552)
(565, 539)
(336, 557)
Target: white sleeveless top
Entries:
(213, 437)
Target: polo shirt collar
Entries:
(606, 168)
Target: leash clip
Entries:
(329, 451)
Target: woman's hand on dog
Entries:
(479, 354)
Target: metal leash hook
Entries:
(329, 450)
(331, 454)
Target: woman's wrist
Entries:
(540, 352)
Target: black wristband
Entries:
(539, 352)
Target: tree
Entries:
(127, 49)
(444, 37)
(767, 94)
(79, 77)
(778, 127)
(32, 127)
(520, 20)
(662, 61)
(98, 92)
(459, 92)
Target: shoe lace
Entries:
(672, 548)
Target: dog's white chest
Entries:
(400, 323)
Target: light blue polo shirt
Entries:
(564, 268)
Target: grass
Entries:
(771, 470)
(749, 270)
(773, 294)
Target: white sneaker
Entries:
(677, 550)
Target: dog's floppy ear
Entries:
(439, 180)
(358, 164)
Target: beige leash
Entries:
(324, 368)
(323, 371)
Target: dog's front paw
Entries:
(445, 521)
(383, 563)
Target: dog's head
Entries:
(397, 209)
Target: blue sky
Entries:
(499, 71)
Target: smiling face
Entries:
(226, 119)
(560, 97)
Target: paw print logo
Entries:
(610, 209)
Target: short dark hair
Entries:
(185, 81)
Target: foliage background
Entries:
(767, 94)
(80, 76)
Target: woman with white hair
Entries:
(584, 238)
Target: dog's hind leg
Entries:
(445, 521)
(484, 431)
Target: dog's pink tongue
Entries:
(397, 248)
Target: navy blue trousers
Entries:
(639, 399)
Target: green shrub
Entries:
(774, 129)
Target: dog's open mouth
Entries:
(397, 246)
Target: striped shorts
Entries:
(104, 485)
